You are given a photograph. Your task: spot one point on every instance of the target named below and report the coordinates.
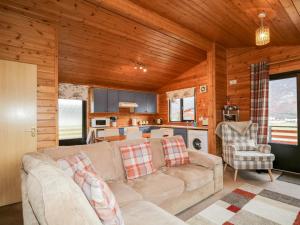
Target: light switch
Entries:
(233, 82)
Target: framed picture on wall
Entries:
(203, 88)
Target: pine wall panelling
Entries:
(194, 77)
(238, 61)
(31, 41)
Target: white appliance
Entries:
(100, 122)
(133, 121)
(198, 140)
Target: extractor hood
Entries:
(128, 105)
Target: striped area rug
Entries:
(251, 205)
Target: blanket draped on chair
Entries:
(259, 99)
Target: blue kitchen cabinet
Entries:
(126, 96)
(145, 129)
(100, 100)
(151, 102)
(183, 133)
(141, 100)
(121, 131)
(112, 100)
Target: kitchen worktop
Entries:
(165, 126)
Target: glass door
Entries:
(284, 110)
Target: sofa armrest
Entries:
(264, 148)
(211, 162)
(204, 159)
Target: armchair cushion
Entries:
(264, 148)
(244, 145)
(253, 156)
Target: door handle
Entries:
(32, 131)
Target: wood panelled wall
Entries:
(238, 61)
(194, 77)
(216, 69)
(31, 41)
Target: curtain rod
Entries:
(282, 61)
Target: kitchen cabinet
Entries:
(112, 100)
(151, 102)
(183, 133)
(146, 102)
(107, 100)
(145, 129)
(141, 100)
(126, 96)
(100, 100)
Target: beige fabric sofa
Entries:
(50, 197)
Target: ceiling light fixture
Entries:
(263, 32)
(140, 66)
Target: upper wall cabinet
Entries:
(112, 100)
(107, 100)
(100, 100)
(127, 96)
(151, 103)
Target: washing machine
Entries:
(198, 140)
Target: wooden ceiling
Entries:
(100, 40)
(232, 23)
(99, 47)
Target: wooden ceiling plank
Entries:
(109, 40)
(293, 10)
(151, 19)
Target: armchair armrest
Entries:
(204, 159)
(211, 162)
(264, 148)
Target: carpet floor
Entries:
(253, 205)
(12, 214)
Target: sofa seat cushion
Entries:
(253, 156)
(158, 187)
(124, 194)
(146, 213)
(193, 176)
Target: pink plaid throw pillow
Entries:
(137, 160)
(175, 152)
(73, 163)
(100, 197)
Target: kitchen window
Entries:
(182, 109)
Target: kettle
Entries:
(159, 121)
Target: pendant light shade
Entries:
(263, 32)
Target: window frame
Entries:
(181, 111)
(78, 141)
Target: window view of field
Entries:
(70, 119)
(175, 110)
(283, 111)
(188, 108)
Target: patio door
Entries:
(284, 108)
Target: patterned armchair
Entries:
(241, 151)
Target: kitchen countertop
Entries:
(163, 125)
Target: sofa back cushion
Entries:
(137, 160)
(157, 153)
(175, 151)
(120, 171)
(101, 154)
(53, 196)
(100, 197)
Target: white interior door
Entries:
(18, 84)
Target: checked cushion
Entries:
(73, 163)
(100, 197)
(137, 160)
(175, 151)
